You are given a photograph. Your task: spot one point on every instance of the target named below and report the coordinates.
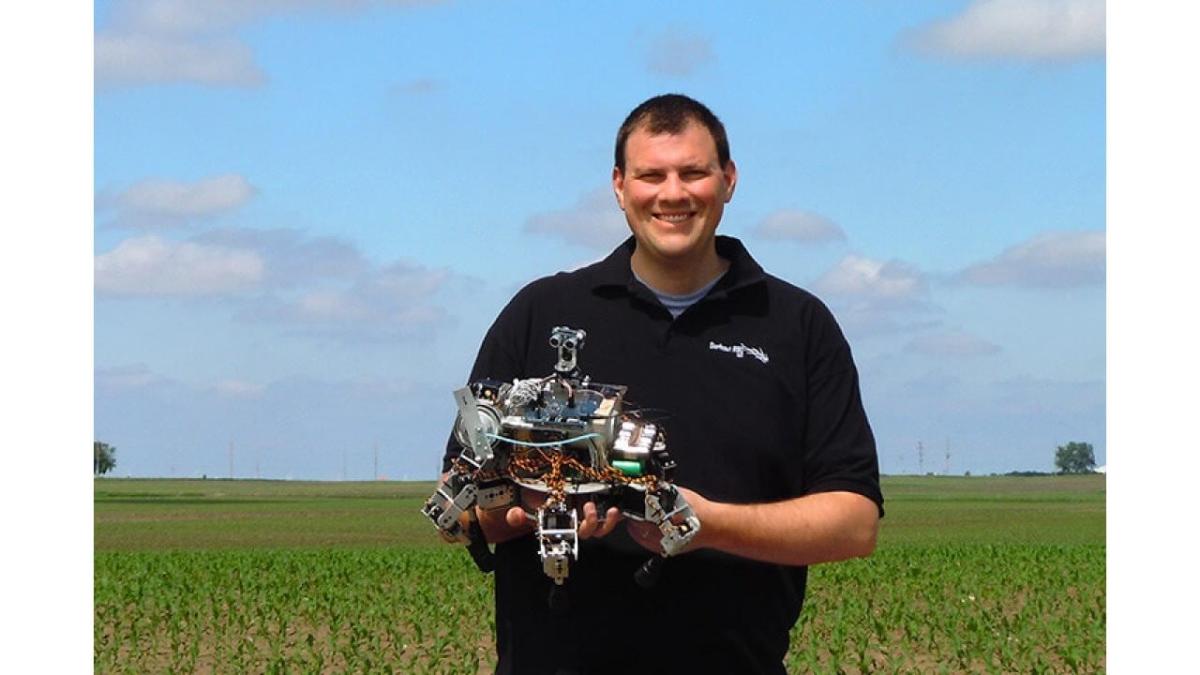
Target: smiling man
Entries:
(672, 180)
(774, 451)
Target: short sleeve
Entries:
(839, 447)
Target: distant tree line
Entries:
(1073, 458)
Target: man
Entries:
(766, 423)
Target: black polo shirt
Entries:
(759, 396)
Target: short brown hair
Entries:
(669, 114)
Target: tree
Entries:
(1075, 458)
(104, 458)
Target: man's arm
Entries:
(815, 528)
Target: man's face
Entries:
(673, 192)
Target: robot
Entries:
(571, 440)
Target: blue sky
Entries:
(307, 212)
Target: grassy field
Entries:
(971, 575)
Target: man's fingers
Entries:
(590, 524)
(611, 518)
(590, 521)
(515, 517)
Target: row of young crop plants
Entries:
(954, 608)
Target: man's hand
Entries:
(649, 536)
(500, 525)
(592, 526)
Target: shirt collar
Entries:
(743, 269)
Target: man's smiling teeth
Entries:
(674, 217)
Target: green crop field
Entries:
(975, 574)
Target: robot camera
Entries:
(567, 341)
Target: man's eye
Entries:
(694, 174)
(652, 177)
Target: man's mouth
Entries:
(675, 217)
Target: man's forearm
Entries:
(816, 528)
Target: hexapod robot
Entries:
(569, 439)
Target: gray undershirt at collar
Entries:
(676, 304)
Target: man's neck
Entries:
(677, 277)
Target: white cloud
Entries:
(125, 377)
(292, 258)
(678, 54)
(1035, 30)
(800, 226)
(139, 59)
(239, 389)
(951, 344)
(875, 297)
(326, 306)
(595, 221)
(174, 17)
(315, 286)
(199, 16)
(160, 201)
(859, 277)
(403, 280)
(1048, 260)
(389, 303)
(192, 41)
(152, 266)
(861, 320)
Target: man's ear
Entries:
(730, 173)
(618, 184)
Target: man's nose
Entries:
(674, 189)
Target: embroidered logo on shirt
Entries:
(740, 350)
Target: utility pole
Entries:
(376, 461)
(947, 469)
(231, 459)
(920, 458)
